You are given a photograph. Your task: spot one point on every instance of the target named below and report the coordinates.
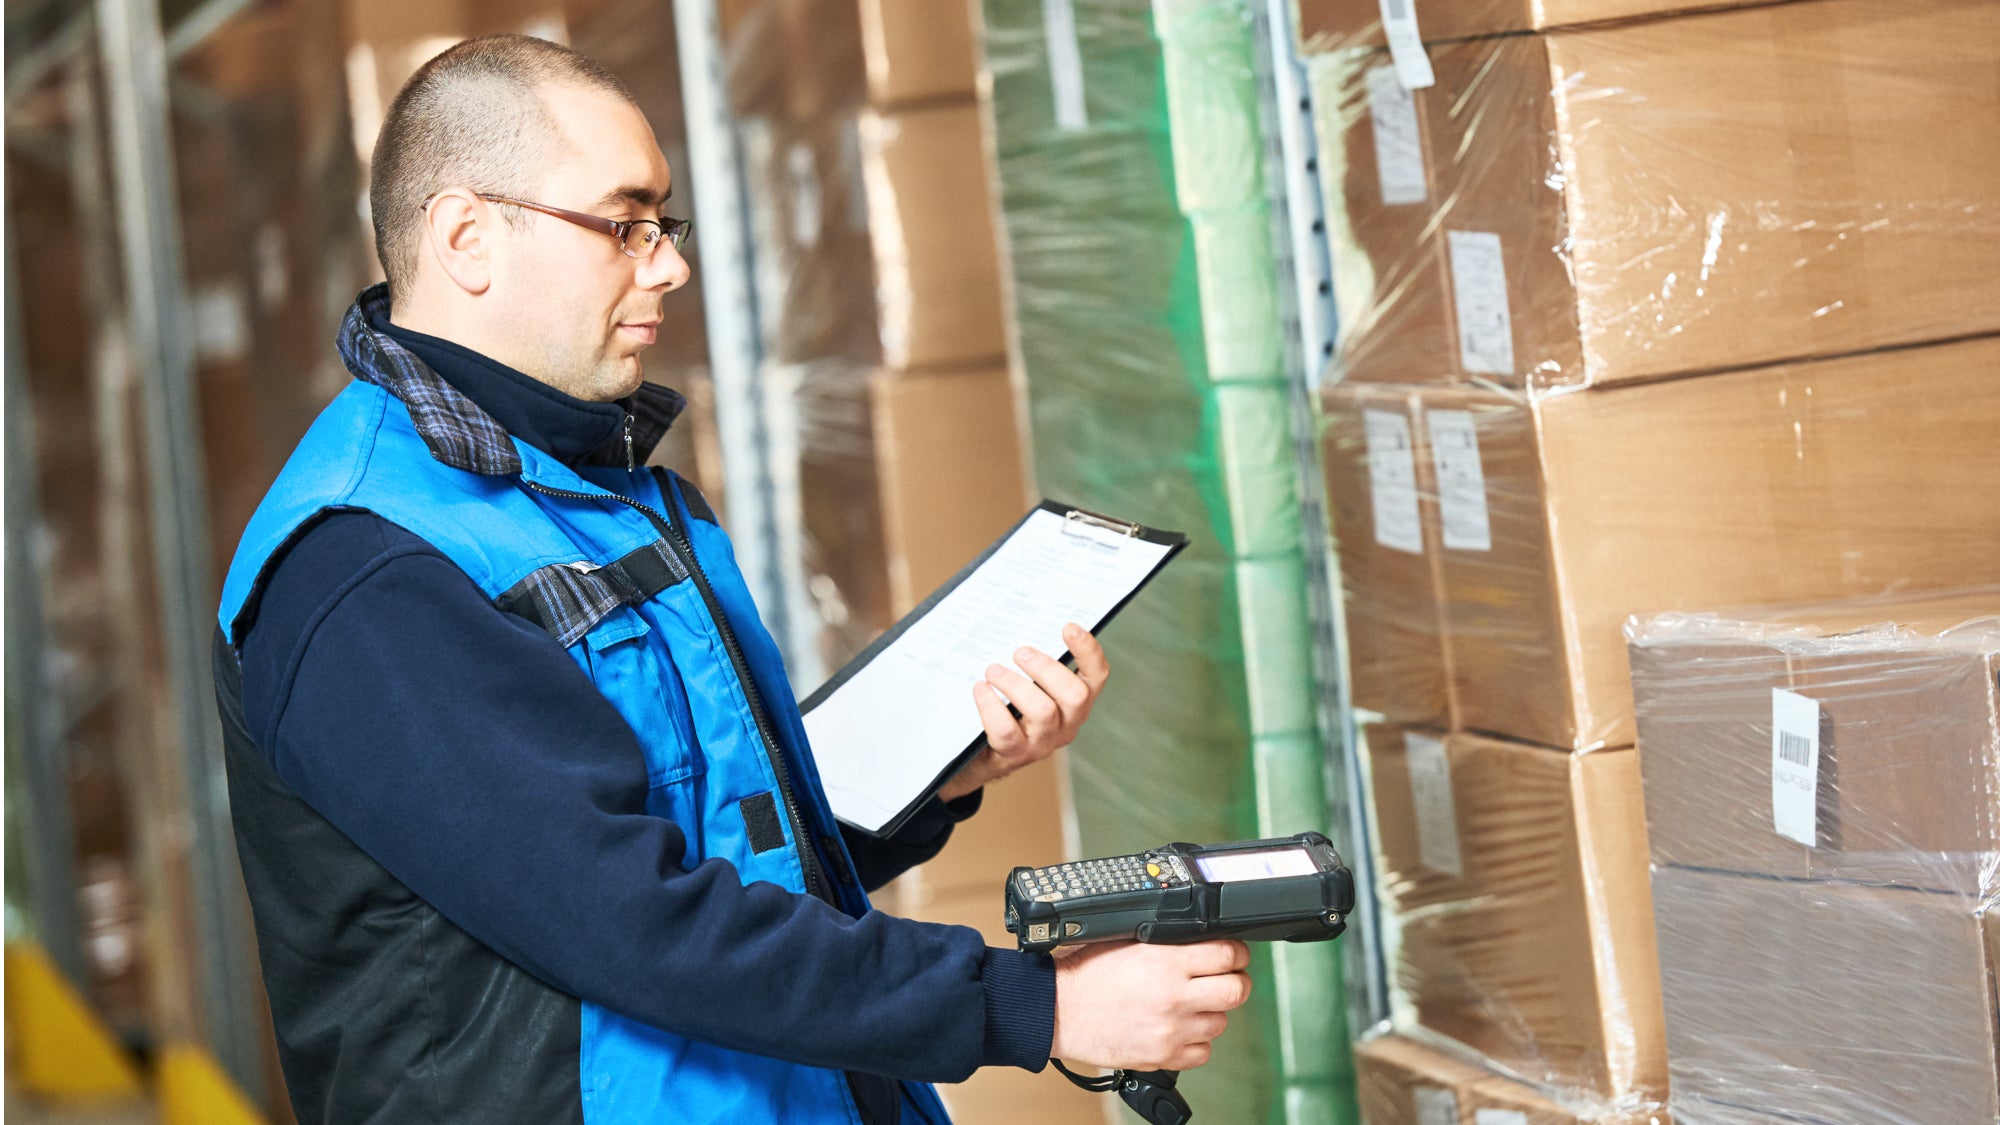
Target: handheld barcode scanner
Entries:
(1291, 889)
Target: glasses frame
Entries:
(675, 231)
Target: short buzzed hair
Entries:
(474, 117)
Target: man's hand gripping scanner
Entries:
(1292, 889)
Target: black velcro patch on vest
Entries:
(696, 502)
(760, 820)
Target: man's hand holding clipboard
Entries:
(899, 725)
(1051, 703)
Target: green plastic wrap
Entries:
(1147, 293)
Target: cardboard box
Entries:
(1516, 875)
(918, 50)
(792, 60)
(904, 478)
(876, 239)
(1563, 514)
(1333, 25)
(949, 459)
(814, 260)
(798, 59)
(1498, 1101)
(1818, 1001)
(930, 218)
(1895, 758)
(1399, 1081)
(1609, 205)
(1382, 499)
(840, 521)
(1381, 200)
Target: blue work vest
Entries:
(663, 661)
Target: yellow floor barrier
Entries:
(60, 1050)
(193, 1090)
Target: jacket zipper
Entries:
(678, 541)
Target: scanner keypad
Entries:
(1115, 875)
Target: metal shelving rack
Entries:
(1292, 177)
(759, 451)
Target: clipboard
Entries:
(890, 728)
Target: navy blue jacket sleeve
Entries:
(470, 756)
(877, 861)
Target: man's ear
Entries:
(459, 237)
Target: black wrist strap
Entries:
(1102, 1084)
(1150, 1093)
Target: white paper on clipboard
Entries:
(882, 737)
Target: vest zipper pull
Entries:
(629, 466)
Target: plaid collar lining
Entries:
(455, 429)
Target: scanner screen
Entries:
(1273, 863)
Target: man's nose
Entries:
(666, 267)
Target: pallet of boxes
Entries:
(1647, 310)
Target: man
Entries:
(523, 800)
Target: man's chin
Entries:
(626, 375)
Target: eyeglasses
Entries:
(637, 237)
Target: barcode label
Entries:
(1795, 751)
(1406, 44)
(807, 200)
(1435, 808)
(1399, 143)
(1392, 481)
(1461, 481)
(1435, 1106)
(1479, 297)
(1065, 64)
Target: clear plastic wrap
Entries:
(1902, 723)
(1401, 1081)
(878, 296)
(1339, 23)
(1823, 788)
(1639, 200)
(1131, 158)
(1543, 519)
(1792, 1001)
(1512, 884)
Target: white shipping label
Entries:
(1461, 481)
(1479, 292)
(1406, 43)
(1499, 1117)
(1065, 64)
(1437, 813)
(1392, 481)
(1399, 144)
(807, 199)
(1795, 766)
(1435, 1106)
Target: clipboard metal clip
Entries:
(1092, 527)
